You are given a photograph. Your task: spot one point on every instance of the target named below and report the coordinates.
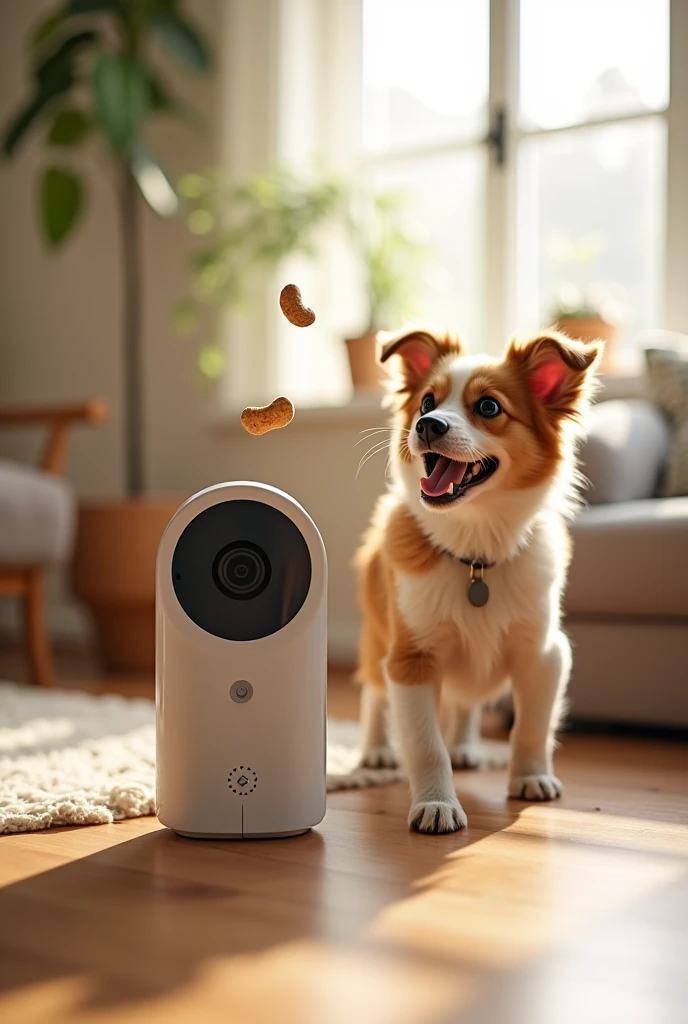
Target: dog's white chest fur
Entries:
(473, 645)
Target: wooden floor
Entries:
(536, 914)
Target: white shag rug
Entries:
(74, 758)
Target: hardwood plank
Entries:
(545, 914)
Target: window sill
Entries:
(364, 409)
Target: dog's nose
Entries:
(431, 425)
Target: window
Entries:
(591, 200)
(543, 145)
(425, 116)
(572, 197)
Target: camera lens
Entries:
(241, 570)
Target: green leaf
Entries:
(122, 95)
(59, 82)
(193, 186)
(47, 28)
(200, 222)
(58, 65)
(182, 40)
(61, 204)
(212, 361)
(69, 128)
(154, 185)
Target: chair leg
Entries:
(37, 642)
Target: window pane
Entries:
(591, 216)
(447, 196)
(425, 71)
(588, 59)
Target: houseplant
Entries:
(588, 314)
(253, 226)
(390, 255)
(93, 83)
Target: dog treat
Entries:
(293, 308)
(259, 419)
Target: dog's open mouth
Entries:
(447, 480)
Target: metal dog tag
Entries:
(478, 590)
(478, 593)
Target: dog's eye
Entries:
(488, 407)
(428, 404)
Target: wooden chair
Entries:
(27, 581)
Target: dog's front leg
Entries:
(414, 705)
(539, 679)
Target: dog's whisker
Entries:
(372, 454)
(376, 448)
(380, 430)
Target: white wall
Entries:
(60, 324)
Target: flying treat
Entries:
(293, 308)
(259, 419)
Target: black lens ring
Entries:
(220, 563)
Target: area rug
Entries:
(74, 758)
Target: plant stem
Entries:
(131, 349)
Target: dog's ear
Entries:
(418, 351)
(559, 370)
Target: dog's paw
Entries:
(535, 787)
(437, 816)
(379, 757)
(486, 754)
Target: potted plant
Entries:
(93, 83)
(255, 225)
(390, 254)
(589, 314)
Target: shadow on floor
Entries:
(143, 918)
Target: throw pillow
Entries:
(667, 372)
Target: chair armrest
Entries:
(59, 419)
(94, 411)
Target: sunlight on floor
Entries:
(541, 892)
(316, 983)
(552, 822)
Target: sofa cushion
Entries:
(37, 516)
(626, 448)
(630, 558)
(667, 372)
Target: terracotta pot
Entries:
(591, 328)
(366, 373)
(114, 574)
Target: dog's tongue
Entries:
(446, 472)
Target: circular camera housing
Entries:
(246, 587)
(241, 652)
(241, 570)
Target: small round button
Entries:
(241, 691)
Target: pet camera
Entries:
(241, 661)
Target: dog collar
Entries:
(478, 591)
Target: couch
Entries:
(37, 520)
(626, 602)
